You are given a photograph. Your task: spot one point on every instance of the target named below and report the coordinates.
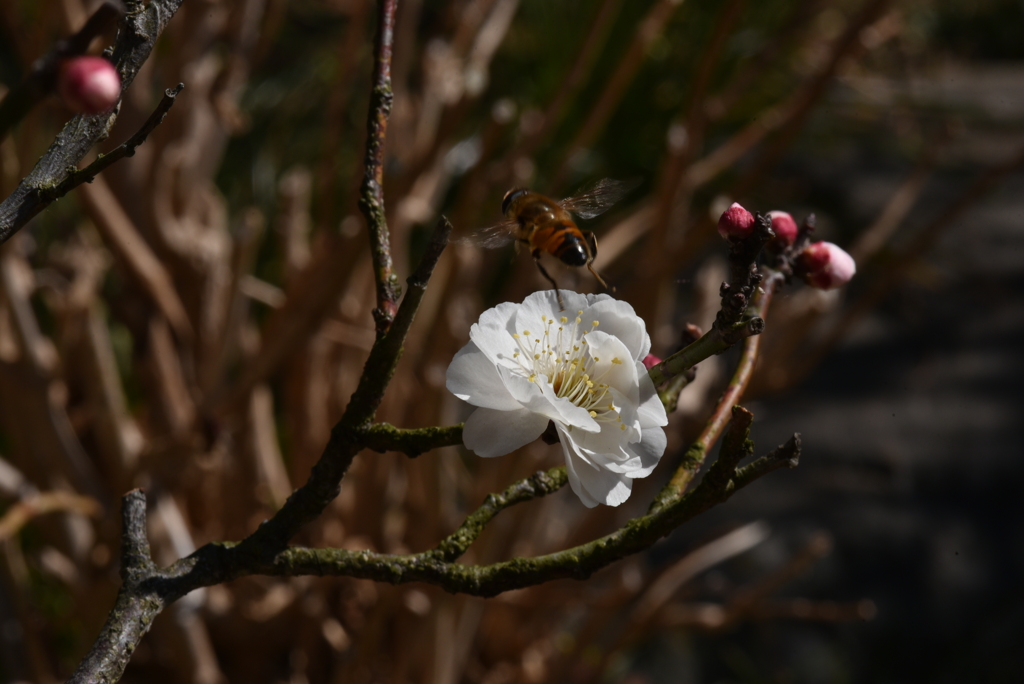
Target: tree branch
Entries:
(537, 485)
(307, 502)
(383, 437)
(136, 605)
(146, 592)
(125, 149)
(139, 30)
(737, 319)
(371, 193)
(695, 455)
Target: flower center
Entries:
(560, 356)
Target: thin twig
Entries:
(578, 562)
(125, 149)
(345, 442)
(539, 484)
(371, 193)
(783, 456)
(215, 563)
(741, 315)
(695, 455)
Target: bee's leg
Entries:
(543, 271)
(592, 249)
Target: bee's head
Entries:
(510, 197)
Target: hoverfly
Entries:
(545, 225)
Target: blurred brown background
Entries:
(194, 321)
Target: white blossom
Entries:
(581, 368)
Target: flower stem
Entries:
(695, 455)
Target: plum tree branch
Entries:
(736, 319)
(139, 29)
(371, 193)
(125, 149)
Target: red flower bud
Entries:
(88, 85)
(826, 266)
(784, 227)
(650, 361)
(736, 223)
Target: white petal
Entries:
(621, 375)
(650, 449)
(608, 450)
(599, 448)
(545, 303)
(495, 433)
(574, 480)
(600, 297)
(627, 414)
(472, 377)
(593, 485)
(619, 319)
(651, 411)
(493, 332)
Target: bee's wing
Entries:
(599, 197)
(497, 235)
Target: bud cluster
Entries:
(821, 264)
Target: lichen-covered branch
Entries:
(488, 580)
(146, 591)
(383, 437)
(537, 485)
(139, 30)
(371, 193)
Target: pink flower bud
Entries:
(650, 361)
(784, 227)
(736, 223)
(826, 266)
(88, 85)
